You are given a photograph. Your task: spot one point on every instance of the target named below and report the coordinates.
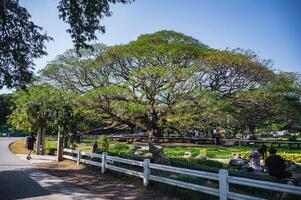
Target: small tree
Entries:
(32, 110)
(103, 143)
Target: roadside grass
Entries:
(18, 147)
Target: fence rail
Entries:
(222, 177)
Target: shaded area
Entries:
(18, 184)
(29, 183)
(19, 180)
(110, 185)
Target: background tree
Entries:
(73, 72)
(286, 88)
(170, 81)
(6, 105)
(141, 82)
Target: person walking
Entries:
(30, 140)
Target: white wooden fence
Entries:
(222, 177)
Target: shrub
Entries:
(120, 146)
(103, 143)
(295, 157)
(121, 149)
(292, 138)
(191, 163)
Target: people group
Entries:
(274, 164)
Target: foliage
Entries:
(120, 146)
(292, 138)
(168, 82)
(84, 18)
(40, 106)
(145, 90)
(21, 41)
(121, 149)
(6, 105)
(103, 143)
(294, 157)
(208, 165)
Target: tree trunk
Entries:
(252, 129)
(43, 138)
(154, 132)
(59, 146)
(38, 144)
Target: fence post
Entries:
(78, 156)
(223, 184)
(103, 162)
(146, 172)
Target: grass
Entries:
(215, 152)
(18, 147)
(170, 150)
(88, 140)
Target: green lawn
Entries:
(216, 152)
(178, 151)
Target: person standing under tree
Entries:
(30, 140)
(217, 136)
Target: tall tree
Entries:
(167, 80)
(140, 83)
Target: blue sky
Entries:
(271, 28)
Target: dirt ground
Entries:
(110, 186)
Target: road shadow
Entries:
(17, 184)
(30, 183)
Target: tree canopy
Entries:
(168, 81)
(22, 41)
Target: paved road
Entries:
(20, 180)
